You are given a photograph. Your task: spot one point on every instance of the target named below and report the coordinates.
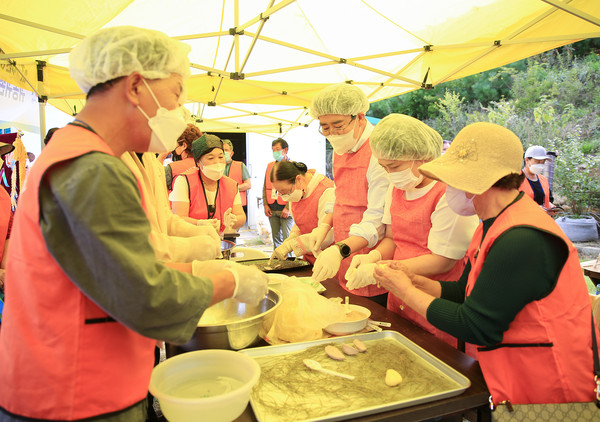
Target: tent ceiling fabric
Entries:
(257, 63)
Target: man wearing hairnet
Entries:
(422, 232)
(86, 297)
(360, 184)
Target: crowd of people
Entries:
(455, 237)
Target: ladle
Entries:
(316, 366)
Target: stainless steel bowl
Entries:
(226, 247)
(229, 325)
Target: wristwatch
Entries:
(345, 250)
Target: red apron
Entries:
(306, 210)
(236, 173)
(228, 188)
(351, 188)
(411, 224)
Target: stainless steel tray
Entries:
(273, 411)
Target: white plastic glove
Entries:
(282, 250)
(301, 244)
(251, 284)
(207, 231)
(229, 219)
(361, 276)
(206, 247)
(327, 264)
(318, 235)
(361, 259)
(215, 223)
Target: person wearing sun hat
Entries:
(204, 192)
(535, 184)
(521, 298)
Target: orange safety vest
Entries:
(411, 224)
(526, 187)
(62, 357)
(198, 205)
(546, 353)
(5, 214)
(269, 186)
(351, 188)
(306, 210)
(181, 166)
(236, 173)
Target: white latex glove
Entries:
(282, 250)
(361, 276)
(361, 259)
(229, 219)
(207, 247)
(251, 284)
(301, 244)
(318, 235)
(215, 223)
(208, 231)
(327, 264)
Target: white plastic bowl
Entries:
(205, 385)
(351, 326)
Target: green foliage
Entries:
(576, 173)
(550, 99)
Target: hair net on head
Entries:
(121, 50)
(205, 144)
(401, 137)
(343, 99)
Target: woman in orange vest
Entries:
(422, 232)
(6, 217)
(522, 297)
(535, 184)
(183, 159)
(309, 195)
(204, 192)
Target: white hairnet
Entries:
(401, 137)
(343, 99)
(121, 50)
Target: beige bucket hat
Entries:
(480, 155)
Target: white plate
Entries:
(275, 278)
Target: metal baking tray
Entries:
(276, 266)
(306, 401)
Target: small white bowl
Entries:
(209, 385)
(351, 325)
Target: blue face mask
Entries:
(277, 155)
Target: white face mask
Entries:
(537, 168)
(459, 203)
(166, 125)
(405, 180)
(295, 196)
(214, 171)
(343, 143)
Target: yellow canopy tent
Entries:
(257, 63)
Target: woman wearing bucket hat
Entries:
(422, 232)
(521, 298)
(204, 193)
(535, 184)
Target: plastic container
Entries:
(352, 325)
(205, 385)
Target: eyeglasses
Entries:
(336, 130)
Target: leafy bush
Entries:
(576, 175)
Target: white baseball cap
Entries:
(537, 152)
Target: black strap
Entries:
(214, 210)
